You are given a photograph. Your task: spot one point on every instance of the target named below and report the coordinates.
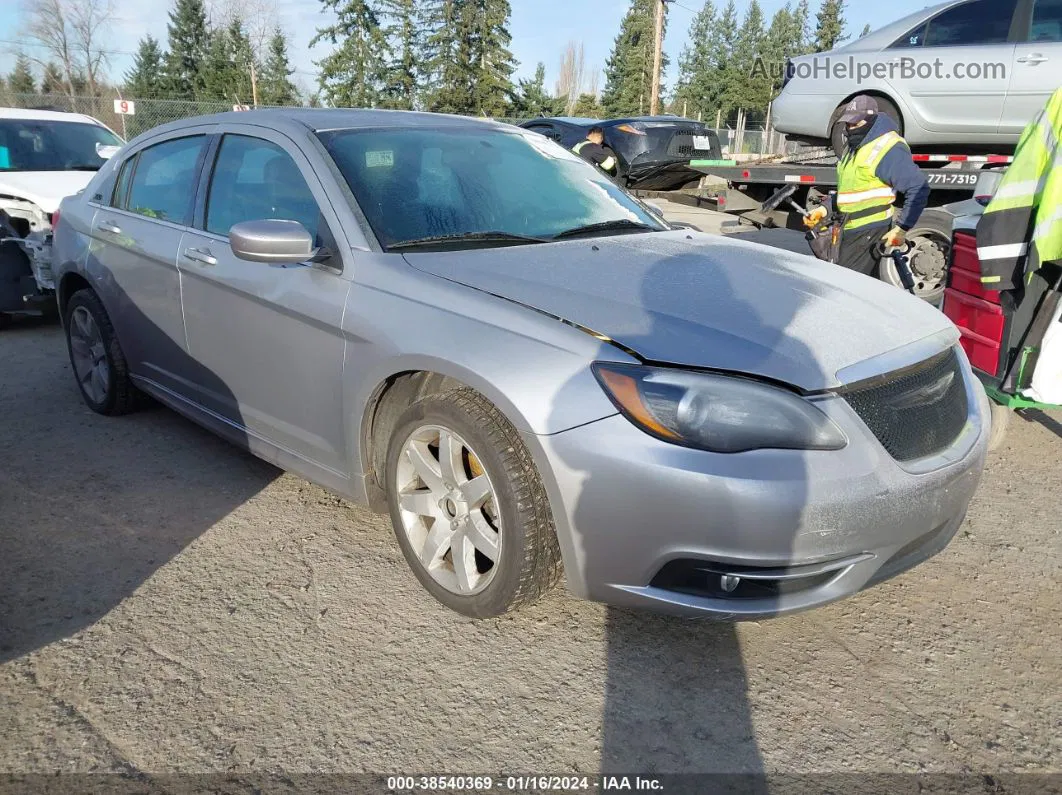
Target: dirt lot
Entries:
(169, 603)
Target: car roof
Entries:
(46, 115)
(325, 119)
(884, 37)
(587, 122)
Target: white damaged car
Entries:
(44, 157)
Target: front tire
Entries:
(96, 356)
(468, 507)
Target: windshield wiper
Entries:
(621, 225)
(467, 237)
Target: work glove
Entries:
(894, 240)
(815, 217)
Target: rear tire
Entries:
(96, 357)
(837, 136)
(433, 520)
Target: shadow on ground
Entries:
(81, 532)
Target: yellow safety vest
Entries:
(861, 196)
(608, 164)
(1021, 229)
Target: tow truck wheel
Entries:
(929, 258)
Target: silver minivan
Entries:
(973, 72)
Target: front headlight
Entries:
(722, 414)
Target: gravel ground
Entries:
(171, 604)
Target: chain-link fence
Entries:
(147, 113)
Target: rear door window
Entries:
(164, 180)
(970, 24)
(1046, 21)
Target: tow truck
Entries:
(776, 192)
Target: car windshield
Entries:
(477, 187)
(35, 145)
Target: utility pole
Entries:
(254, 85)
(654, 97)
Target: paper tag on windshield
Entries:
(382, 159)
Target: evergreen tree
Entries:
(403, 40)
(189, 38)
(226, 70)
(722, 45)
(748, 89)
(531, 98)
(493, 88)
(629, 69)
(697, 91)
(275, 86)
(352, 75)
(829, 26)
(468, 61)
(21, 81)
(801, 38)
(53, 81)
(144, 80)
(589, 106)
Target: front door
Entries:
(268, 338)
(1037, 70)
(135, 238)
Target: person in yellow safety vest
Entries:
(875, 168)
(593, 150)
(1019, 237)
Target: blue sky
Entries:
(540, 29)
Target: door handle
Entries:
(109, 226)
(200, 255)
(1033, 58)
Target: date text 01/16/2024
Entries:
(477, 784)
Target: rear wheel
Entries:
(97, 358)
(468, 507)
(837, 136)
(928, 259)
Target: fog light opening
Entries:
(729, 583)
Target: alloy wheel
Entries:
(89, 355)
(449, 510)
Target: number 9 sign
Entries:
(124, 107)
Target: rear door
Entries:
(136, 237)
(269, 338)
(1036, 72)
(953, 69)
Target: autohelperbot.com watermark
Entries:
(904, 67)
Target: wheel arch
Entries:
(393, 394)
(70, 283)
(870, 92)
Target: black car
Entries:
(653, 151)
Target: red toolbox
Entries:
(973, 309)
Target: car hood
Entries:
(44, 188)
(705, 301)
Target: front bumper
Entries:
(804, 114)
(646, 524)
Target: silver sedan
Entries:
(465, 326)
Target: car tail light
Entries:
(630, 129)
(55, 220)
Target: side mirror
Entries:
(273, 241)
